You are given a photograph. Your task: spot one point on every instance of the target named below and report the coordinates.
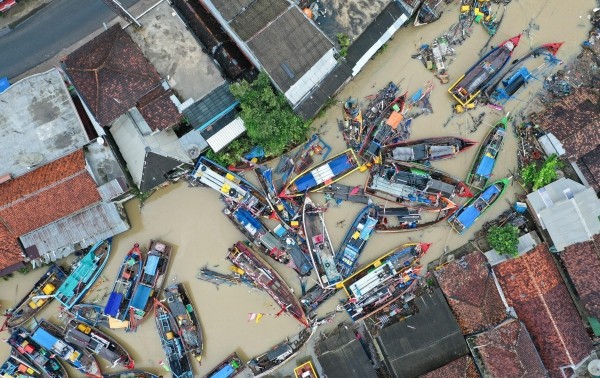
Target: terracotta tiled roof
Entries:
(533, 286)
(158, 110)
(590, 166)
(112, 74)
(582, 261)
(472, 294)
(508, 351)
(10, 250)
(47, 194)
(575, 121)
(462, 367)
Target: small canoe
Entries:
(51, 337)
(428, 149)
(477, 78)
(486, 157)
(322, 175)
(243, 256)
(16, 367)
(231, 366)
(98, 343)
(122, 291)
(180, 304)
(37, 298)
(150, 282)
(84, 274)
(266, 363)
(172, 342)
(355, 241)
(41, 358)
(306, 370)
(402, 219)
(319, 244)
(132, 374)
(468, 214)
(384, 280)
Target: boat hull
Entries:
(122, 291)
(486, 157)
(229, 368)
(425, 150)
(346, 257)
(180, 304)
(38, 356)
(172, 342)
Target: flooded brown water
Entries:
(191, 219)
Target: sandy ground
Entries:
(190, 218)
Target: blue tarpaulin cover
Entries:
(45, 339)
(256, 152)
(468, 216)
(151, 264)
(305, 182)
(141, 297)
(226, 372)
(340, 165)
(486, 166)
(112, 306)
(337, 166)
(245, 217)
(4, 84)
(489, 192)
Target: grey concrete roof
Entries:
(342, 356)
(425, 341)
(175, 54)
(38, 123)
(256, 16)
(230, 8)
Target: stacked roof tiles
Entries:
(462, 367)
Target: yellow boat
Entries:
(306, 370)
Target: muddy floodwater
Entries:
(191, 220)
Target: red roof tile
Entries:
(10, 250)
(582, 261)
(590, 166)
(462, 367)
(47, 194)
(112, 74)
(508, 351)
(533, 286)
(158, 110)
(472, 294)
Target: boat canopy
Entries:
(469, 216)
(44, 338)
(245, 218)
(368, 228)
(151, 265)
(486, 166)
(141, 297)
(225, 372)
(113, 304)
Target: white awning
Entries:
(226, 135)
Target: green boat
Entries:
(468, 214)
(486, 157)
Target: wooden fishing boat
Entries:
(346, 257)
(50, 337)
(37, 298)
(285, 208)
(231, 366)
(306, 370)
(122, 291)
(466, 89)
(277, 247)
(231, 186)
(383, 130)
(485, 159)
(403, 219)
(98, 343)
(428, 149)
(42, 359)
(319, 244)
(468, 214)
(266, 363)
(180, 304)
(245, 257)
(382, 281)
(84, 274)
(314, 297)
(16, 367)
(322, 175)
(150, 282)
(413, 185)
(172, 343)
(430, 11)
(92, 314)
(131, 374)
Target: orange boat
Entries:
(306, 370)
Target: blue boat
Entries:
(150, 283)
(468, 214)
(355, 240)
(172, 342)
(229, 368)
(485, 160)
(284, 208)
(39, 357)
(122, 291)
(49, 336)
(322, 175)
(84, 274)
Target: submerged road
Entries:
(55, 27)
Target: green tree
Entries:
(536, 177)
(504, 239)
(270, 121)
(344, 42)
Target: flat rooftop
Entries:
(38, 123)
(175, 53)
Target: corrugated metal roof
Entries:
(63, 237)
(227, 134)
(113, 188)
(210, 108)
(526, 243)
(551, 145)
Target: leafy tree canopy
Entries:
(504, 239)
(536, 177)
